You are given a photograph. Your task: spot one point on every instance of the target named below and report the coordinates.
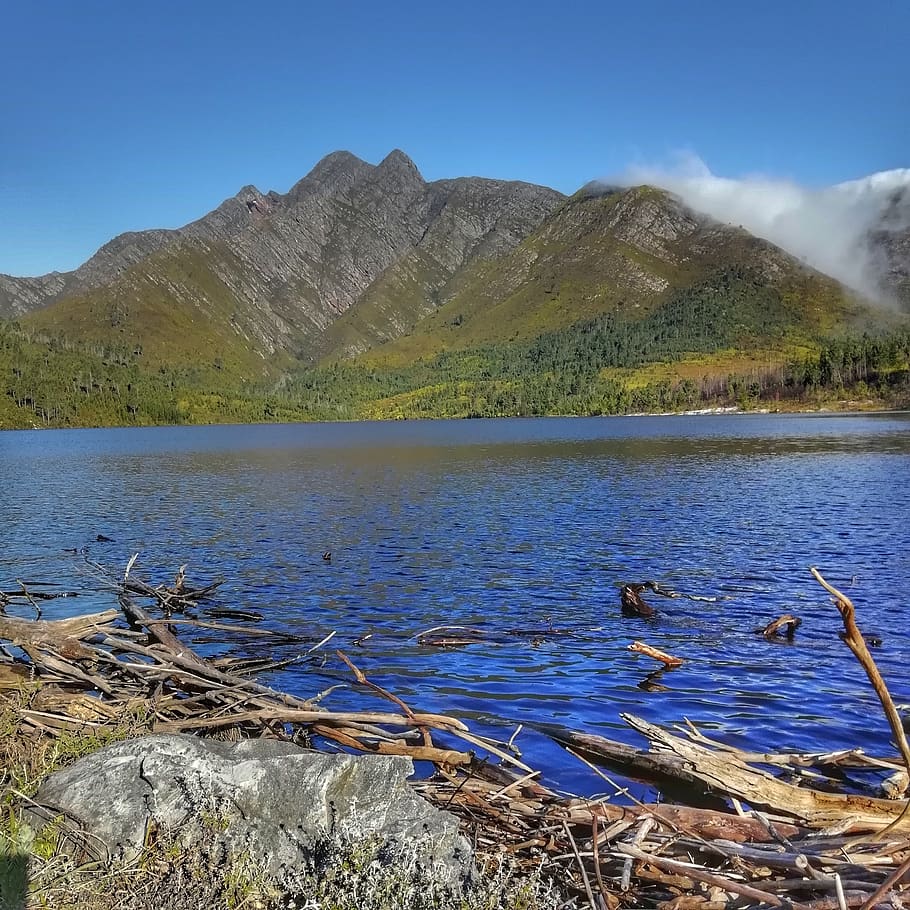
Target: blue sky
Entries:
(121, 116)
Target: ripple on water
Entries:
(516, 527)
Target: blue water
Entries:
(505, 526)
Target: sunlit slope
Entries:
(627, 255)
(173, 309)
(265, 276)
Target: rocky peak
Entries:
(333, 174)
(396, 162)
(395, 176)
(257, 203)
(286, 267)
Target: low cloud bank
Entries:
(828, 228)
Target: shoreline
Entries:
(720, 411)
(76, 687)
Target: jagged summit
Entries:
(360, 256)
(398, 161)
(248, 192)
(333, 161)
(331, 174)
(272, 272)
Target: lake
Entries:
(514, 527)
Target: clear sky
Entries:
(127, 114)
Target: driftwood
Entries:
(673, 761)
(667, 659)
(708, 852)
(857, 644)
(784, 626)
(632, 602)
(175, 598)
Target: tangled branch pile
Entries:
(803, 842)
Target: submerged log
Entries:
(632, 603)
(784, 626)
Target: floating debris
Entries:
(740, 835)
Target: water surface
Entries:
(515, 525)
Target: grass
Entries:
(26, 761)
(339, 871)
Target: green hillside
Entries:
(597, 367)
(620, 301)
(627, 255)
(49, 381)
(146, 310)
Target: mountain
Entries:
(889, 242)
(837, 229)
(627, 254)
(267, 274)
(366, 291)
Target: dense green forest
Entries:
(49, 381)
(608, 365)
(544, 379)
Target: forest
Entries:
(608, 365)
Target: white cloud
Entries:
(827, 228)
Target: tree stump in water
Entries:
(783, 627)
(632, 603)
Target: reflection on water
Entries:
(517, 525)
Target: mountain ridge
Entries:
(371, 264)
(282, 267)
(367, 292)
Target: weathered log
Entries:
(667, 659)
(664, 772)
(784, 626)
(679, 766)
(632, 603)
(64, 635)
(726, 775)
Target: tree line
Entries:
(57, 382)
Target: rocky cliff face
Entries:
(890, 245)
(272, 272)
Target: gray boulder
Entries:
(266, 800)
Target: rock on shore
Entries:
(267, 800)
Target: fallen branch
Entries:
(667, 659)
(857, 644)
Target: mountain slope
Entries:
(367, 292)
(268, 274)
(889, 242)
(627, 253)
